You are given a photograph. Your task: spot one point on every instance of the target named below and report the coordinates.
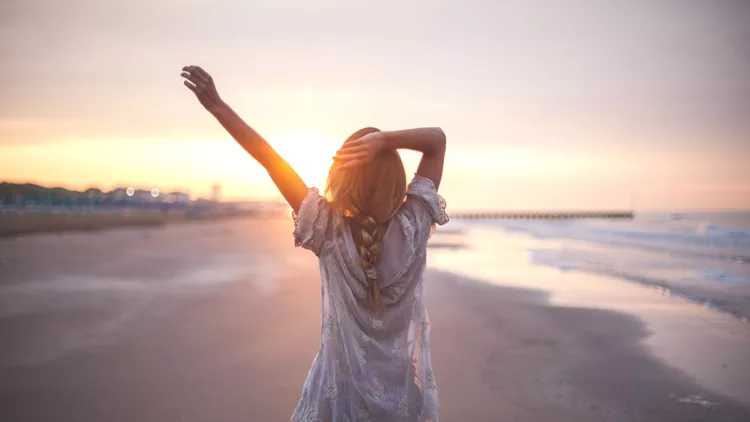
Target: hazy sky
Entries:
(546, 104)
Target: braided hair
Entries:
(369, 195)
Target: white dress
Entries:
(371, 366)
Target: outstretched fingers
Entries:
(197, 72)
(201, 84)
(196, 75)
(202, 74)
(191, 86)
(192, 78)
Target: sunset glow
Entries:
(308, 153)
(546, 110)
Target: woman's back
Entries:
(372, 363)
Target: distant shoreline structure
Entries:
(20, 194)
(31, 197)
(543, 215)
(29, 208)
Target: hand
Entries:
(359, 151)
(202, 85)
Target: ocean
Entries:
(704, 257)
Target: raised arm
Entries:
(283, 175)
(429, 141)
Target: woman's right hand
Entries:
(202, 85)
(360, 151)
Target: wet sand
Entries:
(220, 322)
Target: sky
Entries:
(569, 104)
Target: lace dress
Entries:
(371, 366)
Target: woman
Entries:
(369, 233)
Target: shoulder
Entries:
(422, 210)
(424, 202)
(312, 221)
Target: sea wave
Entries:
(703, 257)
(729, 232)
(707, 241)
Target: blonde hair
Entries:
(371, 194)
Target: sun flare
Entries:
(310, 154)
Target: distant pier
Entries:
(537, 215)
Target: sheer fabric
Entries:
(371, 366)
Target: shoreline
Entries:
(585, 363)
(28, 223)
(732, 310)
(682, 333)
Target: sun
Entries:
(310, 154)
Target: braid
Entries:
(372, 240)
(368, 195)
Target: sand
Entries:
(220, 322)
(25, 223)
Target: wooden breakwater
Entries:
(541, 215)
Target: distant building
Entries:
(119, 194)
(143, 195)
(216, 192)
(177, 198)
(93, 194)
(132, 195)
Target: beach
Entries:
(220, 322)
(20, 222)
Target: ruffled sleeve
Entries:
(424, 209)
(422, 189)
(311, 222)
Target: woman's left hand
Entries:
(359, 151)
(202, 85)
